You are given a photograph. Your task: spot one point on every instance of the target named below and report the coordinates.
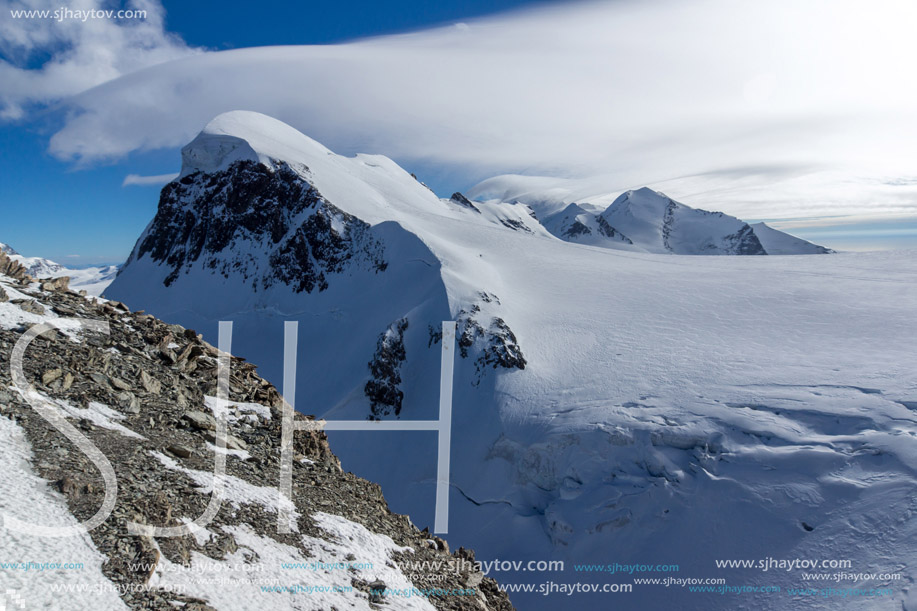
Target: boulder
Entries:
(56, 284)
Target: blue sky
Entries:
(276, 22)
(799, 120)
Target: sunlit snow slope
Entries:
(610, 406)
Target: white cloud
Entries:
(148, 181)
(812, 196)
(780, 109)
(84, 52)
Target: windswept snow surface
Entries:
(266, 574)
(44, 572)
(13, 317)
(236, 491)
(673, 409)
(93, 280)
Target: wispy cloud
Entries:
(779, 109)
(82, 51)
(148, 181)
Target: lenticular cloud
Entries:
(687, 98)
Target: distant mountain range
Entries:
(93, 279)
(644, 220)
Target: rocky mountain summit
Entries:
(144, 393)
(256, 211)
(264, 219)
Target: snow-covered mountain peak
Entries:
(642, 203)
(642, 195)
(371, 187)
(7, 249)
(244, 135)
(267, 220)
(657, 223)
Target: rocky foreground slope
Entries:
(143, 395)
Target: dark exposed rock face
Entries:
(745, 242)
(576, 228)
(383, 390)
(461, 200)
(493, 340)
(231, 221)
(573, 228)
(668, 220)
(515, 225)
(609, 231)
(497, 343)
(14, 269)
(742, 242)
(154, 377)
